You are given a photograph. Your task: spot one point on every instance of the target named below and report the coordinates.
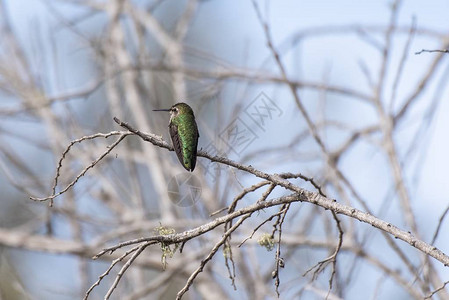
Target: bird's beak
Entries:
(165, 109)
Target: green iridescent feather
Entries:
(184, 135)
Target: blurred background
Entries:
(377, 103)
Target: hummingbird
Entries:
(184, 134)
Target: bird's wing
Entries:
(173, 129)
(195, 143)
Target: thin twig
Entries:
(210, 255)
(260, 225)
(84, 138)
(124, 268)
(440, 222)
(113, 263)
(431, 51)
(110, 148)
(279, 260)
(437, 290)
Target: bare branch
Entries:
(110, 148)
(210, 255)
(431, 51)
